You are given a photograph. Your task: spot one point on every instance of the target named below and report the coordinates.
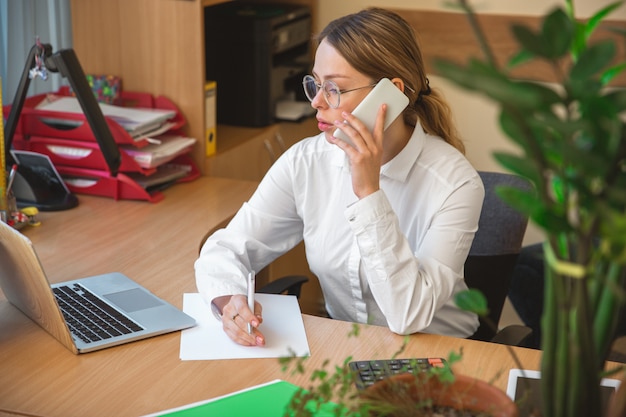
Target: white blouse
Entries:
(394, 258)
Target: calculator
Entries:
(372, 371)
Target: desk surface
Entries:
(156, 244)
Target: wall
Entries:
(20, 23)
(476, 117)
(329, 9)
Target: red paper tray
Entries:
(35, 122)
(122, 187)
(76, 153)
(101, 183)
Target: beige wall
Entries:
(476, 117)
(329, 9)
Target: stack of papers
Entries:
(164, 176)
(138, 122)
(161, 149)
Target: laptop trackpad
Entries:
(133, 300)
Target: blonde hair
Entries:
(379, 43)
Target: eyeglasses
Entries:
(331, 91)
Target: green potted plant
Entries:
(571, 135)
(414, 392)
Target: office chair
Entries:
(289, 284)
(493, 254)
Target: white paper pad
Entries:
(282, 327)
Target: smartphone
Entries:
(384, 92)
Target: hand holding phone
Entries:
(385, 92)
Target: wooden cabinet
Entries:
(247, 153)
(248, 156)
(157, 46)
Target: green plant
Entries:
(333, 392)
(572, 138)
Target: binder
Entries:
(265, 400)
(210, 119)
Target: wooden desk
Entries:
(156, 245)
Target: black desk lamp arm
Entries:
(20, 97)
(66, 63)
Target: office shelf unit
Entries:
(157, 47)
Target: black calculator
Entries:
(369, 372)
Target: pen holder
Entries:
(11, 203)
(11, 209)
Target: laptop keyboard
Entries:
(370, 372)
(89, 318)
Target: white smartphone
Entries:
(384, 92)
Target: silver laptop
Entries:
(85, 314)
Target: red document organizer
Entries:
(96, 182)
(121, 187)
(36, 122)
(69, 142)
(76, 153)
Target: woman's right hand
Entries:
(235, 318)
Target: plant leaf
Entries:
(618, 98)
(599, 16)
(554, 39)
(557, 33)
(523, 201)
(480, 77)
(520, 58)
(520, 165)
(530, 41)
(579, 43)
(472, 300)
(592, 60)
(608, 75)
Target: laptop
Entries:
(123, 310)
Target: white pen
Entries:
(251, 288)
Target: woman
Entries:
(387, 221)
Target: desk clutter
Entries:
(147, 130)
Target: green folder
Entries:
(267, 400)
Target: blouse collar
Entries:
(401, 165)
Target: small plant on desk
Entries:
(419, 392)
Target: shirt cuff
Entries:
(367, 211)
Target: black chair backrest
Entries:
(495, 248)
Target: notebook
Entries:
(129, 311)
(265, 400)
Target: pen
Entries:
(250, 297)
(11, 177)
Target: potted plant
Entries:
(426, 394)
(414, 392)
(572, 140)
